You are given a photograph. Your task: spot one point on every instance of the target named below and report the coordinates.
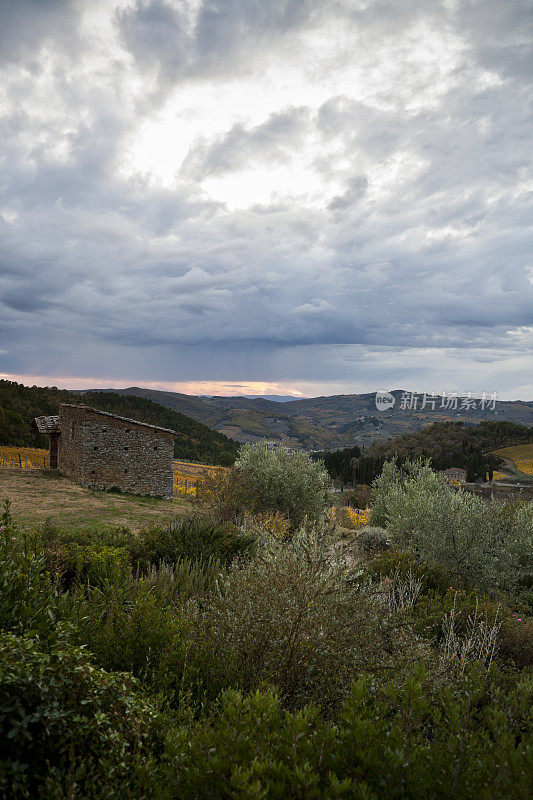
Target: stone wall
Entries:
(104, 452)
(70, 451)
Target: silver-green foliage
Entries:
(279, 480)
(294, 617)
(483, 544)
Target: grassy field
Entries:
(38, 496)
(521, 455)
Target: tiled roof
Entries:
(47, 424)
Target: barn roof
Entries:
(114, 416)
(48, 424)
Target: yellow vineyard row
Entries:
(23, 457)
(187, 475)
(521, 455)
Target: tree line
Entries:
(19, 405)
(445, 444)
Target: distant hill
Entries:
(276, 398)
(322, 423)
(244, 419)
(19, 405)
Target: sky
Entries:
(301, 197)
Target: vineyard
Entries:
(187, 476)
(521, 455)
(23, 457)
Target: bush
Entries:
(293, 618)
(67, 729)
(30, 602)
(129, 629)
(515, 634)
(96, 555)
(480, 544)
(94, 563)
(197, 538)
(86, 553)
(392, 741)
(173, 584)
(393, 563)
(269, 481)
(352, 518)
(373, 539)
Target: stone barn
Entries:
(104, 451)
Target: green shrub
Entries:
(68, 729)
(87, 553)
(291, 617)
(197, 538)
(395, 563)
(392, 741)
(269, 481)
(487, 545)
(515, 629)
(95, 555)
(93, 563)
(251, 748)
(373, 539)
(30, 602)
(130, 628)
(173, 584)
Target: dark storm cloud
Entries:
(418, 235)
(25, 24)
(162, 35)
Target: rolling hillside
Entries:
(449, 444)
(520, 457)
(245, 419)
(324, 422)
(19, 405)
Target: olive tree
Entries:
(290, 483)
(481, 544)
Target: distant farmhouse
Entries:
(455, 474)
(104, 451)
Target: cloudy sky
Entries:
(289, 196)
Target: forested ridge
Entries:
(19, 405)
(447, 444)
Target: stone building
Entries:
(104, 451)
(455, 474)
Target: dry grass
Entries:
(39, 495)
(521, 455)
